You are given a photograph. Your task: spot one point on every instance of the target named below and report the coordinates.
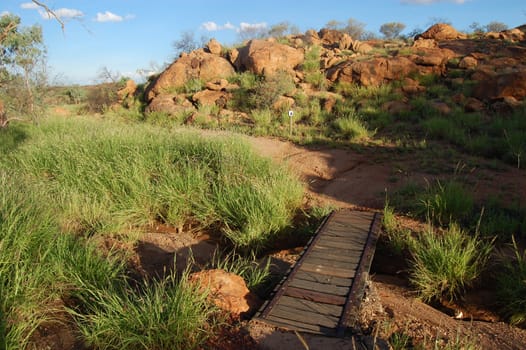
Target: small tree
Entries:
(282, 29)
(477, 28)
(335, 25)
(495, 26)
(392, 30)
(22, 66)
(355, 28)
(187, 43)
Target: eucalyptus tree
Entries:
(22, 67)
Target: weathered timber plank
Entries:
(319, 287)
(352, 216)
(338, 251)
(328, 243)
(314, 296)
(360, 241)
(329, 255)
(300, 326)
(316, 277)
(308, 317)
(301, 304)
(343, 273)
(354, 298)
(331, 263)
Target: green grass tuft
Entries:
(446, 264)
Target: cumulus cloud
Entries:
(29, 6)
(425, 2)
(251, 27)
(108, 17)
(214, 27)
(62, 13)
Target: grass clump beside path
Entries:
(44, 273)
(109, 177)
(65, 184)
(445, 264)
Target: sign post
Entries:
(291, 114)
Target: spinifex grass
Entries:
(167, 314)
(512, 287)
(446, 264)
(28, 289)
(108, 177)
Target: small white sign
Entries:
(291, 113)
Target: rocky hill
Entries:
(493, 67)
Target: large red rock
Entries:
(226, 290)
(196, 65)
(441, 31)
(265, 57)
(373, 72)
(498, 86)
(211, 98)
(171, 104)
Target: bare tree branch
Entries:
(49, 12)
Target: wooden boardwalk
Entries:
(322, 292)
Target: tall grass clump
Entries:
(167, 314)
(511, 287)
(446, 201)
(445, 264)
(351, 127)
(311, 68)
(255, 273)
(28, 289)
(107, 177)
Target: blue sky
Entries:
(127, 35)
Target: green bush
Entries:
(167, 314)
(446, 202)
(268, 90)
(101, 97)
(511, 287)
(444, 265)
(351, 127)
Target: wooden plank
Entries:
(314, 296)
(354, 298)
(307, 317)
(301, 304)
(343, 273)
(329, 255)
(328, 243)
(331, 263)
(300, 326)
(320, 287)
(356, 240)
(338, 251)
(316, 277)
(320, 294)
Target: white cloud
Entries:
(229, 25)
(62, 13)
(4, 13)
(108, 17)
(214, 27)
(210, 26)
(251, 27)
(29, 6)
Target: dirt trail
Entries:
(347, 178)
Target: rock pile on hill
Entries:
(495, 65)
